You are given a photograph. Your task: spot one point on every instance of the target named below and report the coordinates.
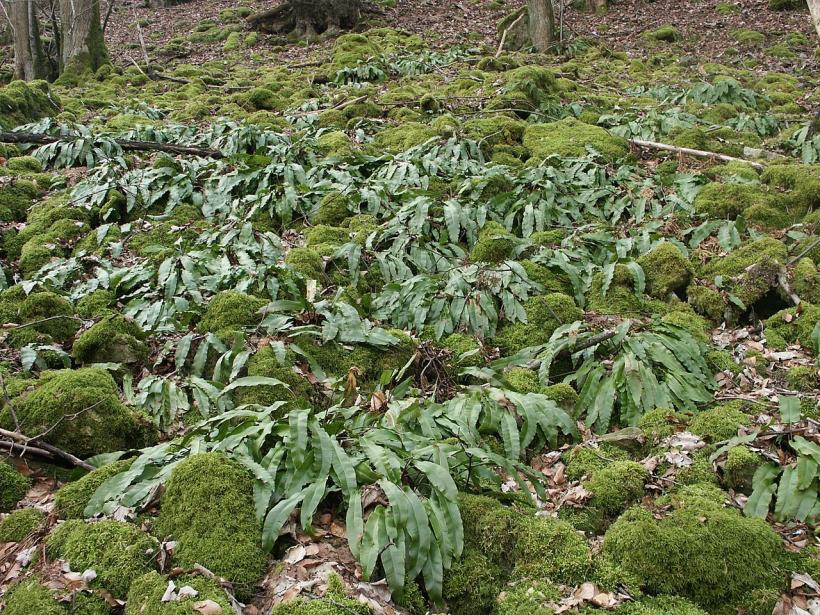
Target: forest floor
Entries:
(433, 332)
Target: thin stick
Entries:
(42, 449)
(504, 34)
(693, 152)
(811, 247)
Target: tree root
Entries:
(310, 19)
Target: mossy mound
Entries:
(334, 209)
(585, 461)
(701, 551)
(802, 378)
(118, 552)
(739, 469)
(495, 244)
(23, 102)
(544, 315)
(707, 302)
(85, 403)
(666, 34)
(472, 583)
(401, 138)
(13, 487)
(750, 271)
(265, 362)
(19, 524)
(525, 597)
(146, 593)
(570, 138)
(489, 527)
(208, 508)
(719, 423)
(31, 597)
(621, 297)
(550, 550)
(726, 201)
(667, 270)
(793, 326)
(231, 310)
(72, 498)
(49, 314)
(807, 281)
(617, 486)
(115, 339)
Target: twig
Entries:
(139, 146)
(783, 282)
(142, 40)
(693, 152)
(42, 449)
(38, 322)
(811, 247)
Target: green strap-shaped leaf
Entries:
(355, 523)
(374, 539)
(763, 488)
(789, 408)
(313, 496)
(277, 517)
(439, 478)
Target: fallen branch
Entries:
(504, 34)
(41, 449)
(136, 146)
(693, 152)
(783, 283)
(588, 343)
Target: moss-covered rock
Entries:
(531, 85)
(739, 469)
(803, 378)
(726, 201)
(72, 498)
(570, 138)
(208, 508)
(231, 310)
(472, 583)
(807, 281)
(96, 304)
(49, 314)
(13, 487)
(667, 270)
(544, 315)
(488, 527)
(146, 592)
(495, 244)
(621, 297)
(265, 362)
(720, 556)
(25, 102)
(85, 404)
(719, 423)
(19, 524)
(617, 486)
(15, 200)
(707, 302)
(396, 139)
(31, 596)
(793, 325)
(334, 209)
(750, 271)
(585, 461)
(550, 550)
(118, 552)
(525, 597)
(666, 34)
(115, 339)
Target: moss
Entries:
(19, 524)
(750, 270)
(523, 380)
(13, 487)
(115, 339)
(333, 209)
(741, 464)
(726, 200)
(617, 486)
(466, 351)
(495, 244)
(794, 325)
(15, 200)
(719, 555)
(550, 550)
(323, 234)
(335, 144)
(231, 310)
(802, 378)
(118, 552)
(266, 363)
(306, 261)
(234, 41)
(96, 304)
(807, 281)
(544, 315)
(10, 301)
(52, 314)
(570, 138)
(666, 34)
(31, 596)
(748, 37)
(25, 164)
(660, 605)
(722, 361)
(719, 423)
(562, 394)
(707, 302)
(525, 597)
(26, 102)
(488, 527)
(401, 138)
(535, 84)
(208, 508)
(492, 131)
(146, 592)
(666, 269)
(694, 324)
(472, 583)
(621, 297)
(584, 461)
(102, 424)
(799, 184)
(72, 498)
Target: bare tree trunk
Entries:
(29, 60)
(814, 9)
(83, 47)
(542, 24)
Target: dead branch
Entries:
(504, 34)
(692, 152)
(783, 283)
(42, 449)
(137, 146)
